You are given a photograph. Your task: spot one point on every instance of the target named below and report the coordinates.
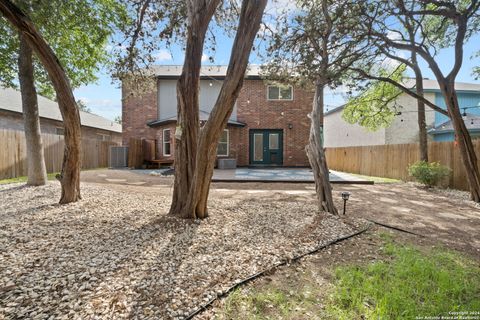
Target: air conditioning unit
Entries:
(118, 157)
(227, 163)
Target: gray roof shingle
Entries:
(11, 100)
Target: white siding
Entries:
(406, 131)
(339, 133)
(167, 97)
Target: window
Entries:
(166, 142)
(222, 148)
(273, 141)
(103, 137)
(59, 131)
(279, 93)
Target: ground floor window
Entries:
(59, 131)
(222, 148)
(166, 147)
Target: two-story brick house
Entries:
(269, 125)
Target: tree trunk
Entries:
(199, 15)
(250, 18)
(316, 154)
(422, 124)
(465, 144)
(37, 172)
(70, 175)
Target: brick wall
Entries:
(259, 113)
(253, 108)
(139, 106)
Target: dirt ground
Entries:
(441, 215)
(317, 270)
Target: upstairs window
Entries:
(222, 148)
(103, 137)
(166, 143)
(279, 93)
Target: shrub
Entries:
(428, 173)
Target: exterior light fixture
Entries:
(210, 84)
(290, 126)
(464, 114)
(345, 196)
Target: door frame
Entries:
(265, 133)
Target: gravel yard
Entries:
(116, 254)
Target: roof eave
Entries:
(159, 123)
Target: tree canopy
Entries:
(376, 106)
(78, 31)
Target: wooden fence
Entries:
(391, 161)
(13, 153)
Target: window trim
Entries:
(228, 145)
(165, 142)
(272, 85)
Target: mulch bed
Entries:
(117, 254)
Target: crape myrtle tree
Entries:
(70, 175)
(77, 31)
(191, 22)
(195, 204)
(313, 47)
(434, 22)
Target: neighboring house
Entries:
(93, 126)
(268, 126)
(404, 128)
(444, 131)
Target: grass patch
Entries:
(50, 176)
(376, 179)
(412, 284)
(406, 283)
(272, 303)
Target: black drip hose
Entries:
(256, 275)
(395, 228)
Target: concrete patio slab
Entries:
(281, 175)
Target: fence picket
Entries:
(391, 161)
(13, 153)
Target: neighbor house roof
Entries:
(336, 109)
(203, 117)
(11, 100)
(432, 85)
(472, 122)
(217, 72)
(428, 85)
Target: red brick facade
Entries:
(257, 112)
(253, 109)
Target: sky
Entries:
(104, 96)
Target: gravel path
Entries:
(118, 255)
